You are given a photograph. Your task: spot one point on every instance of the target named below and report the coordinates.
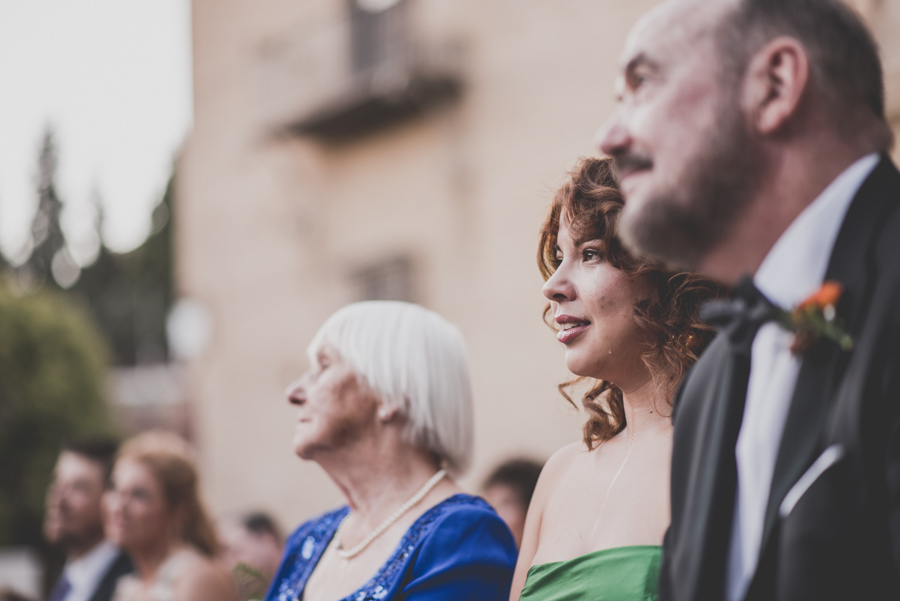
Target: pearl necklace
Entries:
(349, 553)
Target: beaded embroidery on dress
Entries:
(309, 542)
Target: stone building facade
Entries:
(353, 149)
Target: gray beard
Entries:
(682, 224)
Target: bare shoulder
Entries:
(563, 461)
(200, 579)
(559, 467)
(556, 469)
(568, 452)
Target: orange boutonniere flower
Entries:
(816, 318)
(825, 297)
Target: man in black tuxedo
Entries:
(751, 139)
(74, 521)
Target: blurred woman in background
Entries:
(156, 515)
(601, 506)
(386, 411)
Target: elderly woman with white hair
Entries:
(386, 410)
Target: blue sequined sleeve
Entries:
(457, 550)
(469, 555)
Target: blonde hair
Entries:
(171, 461)
(415, 361)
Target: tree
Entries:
(4, 263)
(46, 232)
(130, 294)
(52, 388)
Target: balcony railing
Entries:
(348, 78)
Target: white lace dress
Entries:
(162, 588)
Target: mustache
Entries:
(626, 162)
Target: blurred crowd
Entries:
(132, 525)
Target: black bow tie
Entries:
(742, 316)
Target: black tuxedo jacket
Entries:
(107, 586)
(121, 566)
(832, 526)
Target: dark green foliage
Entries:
(250, 582)
(54, 347)
(129, 295)
(46, 232)
(52, 388)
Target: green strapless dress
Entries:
(618, 574)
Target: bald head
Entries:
(678, 138)
(675, 26)
(845, 69)
(846, 73)
(680, 21)
(714, 95)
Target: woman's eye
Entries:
(638, 80)
(590, 255)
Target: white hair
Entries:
(415, 361)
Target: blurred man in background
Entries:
(509, 488)
(252, 544)
(74, 522)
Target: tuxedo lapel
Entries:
(804, 424)
(703, 490)
(107, 586)
(851, 264)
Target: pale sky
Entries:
(113, 78)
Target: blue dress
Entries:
(457, 550)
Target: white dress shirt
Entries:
(86, 572)
(793, 269)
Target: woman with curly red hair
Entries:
(630, 331)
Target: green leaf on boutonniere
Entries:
(815, 319)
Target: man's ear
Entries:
(777, 78)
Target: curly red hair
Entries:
(590, 202)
